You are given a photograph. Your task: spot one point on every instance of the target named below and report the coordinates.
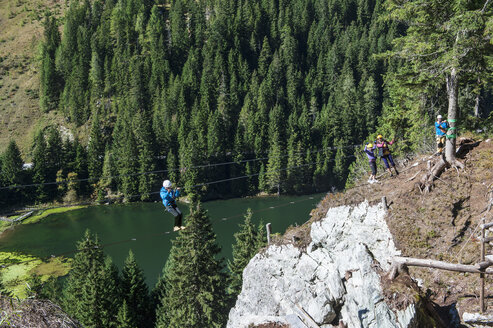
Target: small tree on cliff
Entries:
(446, 43)
(193, 290)
(247, 245)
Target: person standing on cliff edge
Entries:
(369, 151)
(441, 127)
(384, 153)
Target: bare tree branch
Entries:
(484, 7)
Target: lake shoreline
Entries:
(40, 214)
(146, 228)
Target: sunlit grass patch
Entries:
(19, 267)
(44, 213)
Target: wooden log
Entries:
(23, 217)
(483, 265)
(487, 240)
(440, 265)
(487, 225)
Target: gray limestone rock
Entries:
(335, 279)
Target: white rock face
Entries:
(335, 279)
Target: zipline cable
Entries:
(157, 192)
(169, 231)
(147, 236)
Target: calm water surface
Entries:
(146, 223)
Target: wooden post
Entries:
(268, 228)
(481, 275)
(384, 201)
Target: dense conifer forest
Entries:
(284, 89)
(164, 86)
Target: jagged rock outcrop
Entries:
(336, 278)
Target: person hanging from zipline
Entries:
(385, 154)
(369, 150)
(168, 195)
(441, 127)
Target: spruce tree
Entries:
(245, 247)
(92, 293)
(11, 165)
(194, 292)
(40, 169)
(49, 77)
(135, 293)
(124, 319)
(95, 149)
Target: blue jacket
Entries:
(443, 125)
(169, 196)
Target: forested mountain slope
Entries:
(21, 33)
(162, 86)
(286, 89)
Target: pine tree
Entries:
(124, 319)
(244, 249)
(80, 166)
(95, 149)
(194, 292)
(146, 157)
(274, 171)
(49, 76)
(92, 293)
(135, 293)
(11, 166)
(88, 259)
(40, 169)
(106, 183)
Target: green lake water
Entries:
(144, 228)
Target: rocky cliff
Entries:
(335, 280)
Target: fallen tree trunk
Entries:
(408, 261)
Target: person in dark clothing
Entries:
(384, 153)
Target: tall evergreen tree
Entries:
(50, 79)
(135, 294)
(445, 45)
(245, 247)
(11, 166)
(95, 149)
(92, 293)
(194, 292)
(40, 167)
